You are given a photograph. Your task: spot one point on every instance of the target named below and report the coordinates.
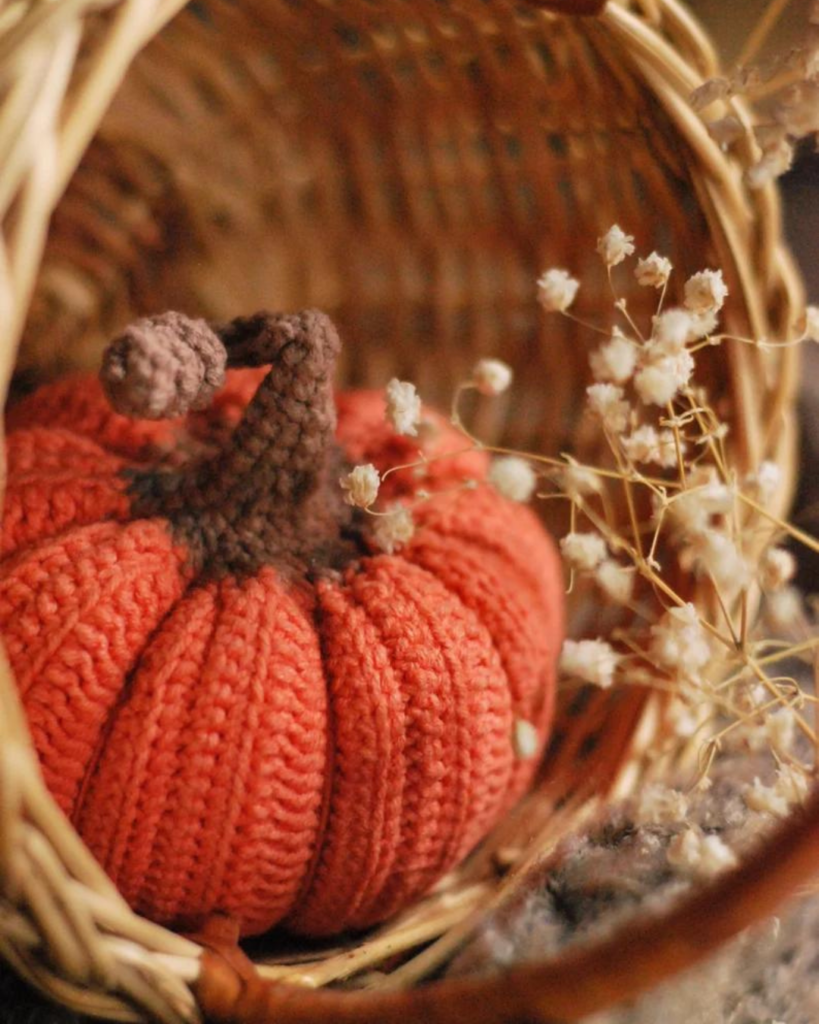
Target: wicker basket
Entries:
(409, 167)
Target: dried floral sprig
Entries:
(683, 549)
(785, 86)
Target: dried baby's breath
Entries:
(682, 555)
(615, 246)
(653, 271)
(525, 739)
(583, 551)
(492, 376)
(592, 661)
(403, 407)
(701, 855)
(557, 290)
(394, 529)
(512, 477)
(361, 485)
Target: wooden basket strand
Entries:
(62, 924)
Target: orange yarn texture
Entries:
(315, 750)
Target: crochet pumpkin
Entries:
(242, 704)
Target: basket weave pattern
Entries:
(409, 168)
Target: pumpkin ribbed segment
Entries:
(57, 480)
(78, 404)
(441, 738)
(496, 563)
(75, 612)
(207, 797)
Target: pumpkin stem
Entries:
(271, 495)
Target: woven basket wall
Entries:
(410, 168)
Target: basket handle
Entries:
(579, 7)
(634, 959)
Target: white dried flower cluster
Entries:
(776, 568)
(525, 740)
(646, 444)
(790, 789)
(615, 245)
(703, 856)
(653, 271)
(661, 378)
(780, 729)
(765, 482)
(784, 609)
(403, 407)
(660, 805)
(672, 330)
(512, 477)
(615, 360)
(712, 553)
(705, 292)
(557, 290)
(394, 529)
(491, 376)
(615, 580)
(361, 485)
(692, 511)
(606, 401)
(583, 551)
(592, 661)
(679, 641)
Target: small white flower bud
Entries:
(776, 568)
(658, 805)
(679, 642)
(491, 376)
(403, 407)
(671, 330)
(615, 359)
(361, 485)
(615, 245)
(592, 661)
(705, 291)
(654, 271)
(525, 740)
(393, 530)
(615, 580)
(512, 477)
(557, 290)
(700, 855)
(583, 551)
(658, 382)
(648, 445)
(606, 402)
(577, 481)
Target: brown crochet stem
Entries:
(271, 495)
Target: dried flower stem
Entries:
(761, 30)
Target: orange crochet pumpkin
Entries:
(242, 704)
